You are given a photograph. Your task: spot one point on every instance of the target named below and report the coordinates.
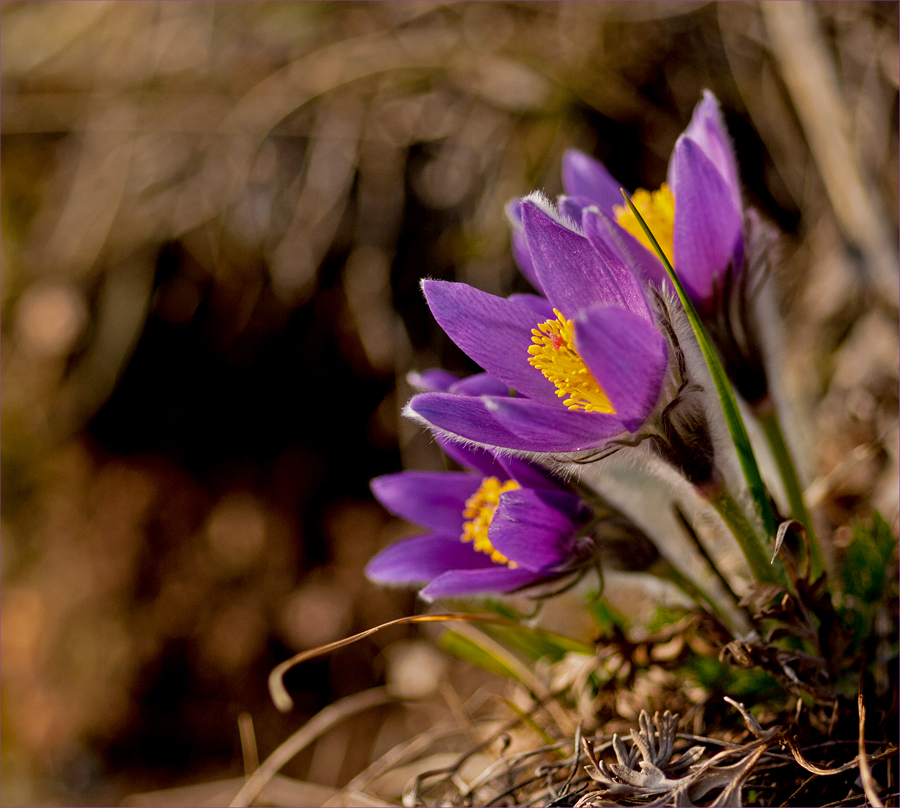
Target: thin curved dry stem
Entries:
(249, 749)
(276, 678)
(524, 675)
(320, 723)
(407, 751)
(865, 772)
(812, 767)
(488, 773)
(699, 546)
(416, 787)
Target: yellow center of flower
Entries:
(479, 513)
(554, 354)
(658, 210)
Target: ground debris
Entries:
(647, 775)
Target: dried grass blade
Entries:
(276, 678)
(865, 773)
(320, 723)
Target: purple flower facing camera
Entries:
(503, 526)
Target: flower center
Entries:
(658, 210)
(553, 354)
(479, 513)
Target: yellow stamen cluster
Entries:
(658, 210)
(554, 354)
(479, 513)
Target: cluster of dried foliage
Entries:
(215, 217)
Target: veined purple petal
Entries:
(539, 305)
(519, 248)
(628, 358)
(572, 207)
(479, 384)
(708, 225)
(585, 176)
(707, 129)
(433, 499)
(423, 558)
(473, 457)
(463, 417)
(572, 273)
(628, 287)
(462, 583)
(539, 427)
(493, 331)
(530, 531)
(600, 228)
(530, 475)
(433, 380)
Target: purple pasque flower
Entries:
(503, 526)
(519, 247)
(696, 216)
(587, 362)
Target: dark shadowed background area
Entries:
(214, 220)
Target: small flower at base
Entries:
(485, 535)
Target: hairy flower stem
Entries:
(747, 537)
(665, 570)
(730, 410)
(771, 426)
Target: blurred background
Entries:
(214, 220)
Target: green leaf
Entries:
(607, 618)
(716, 676)
(468, 650)
(536, 643)
(867, 560)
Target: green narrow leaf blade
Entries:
(468, 650)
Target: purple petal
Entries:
(517, 242)
(529, 474)
(520, 424)
(473, 457)
(523, 259)
(708, 226)
(539, 427)
(423, 558)
(461, 583)
(433, 499)
(433, 380)
(627, 286)
(628, 358)
(572, 207)
(707, 130)
(587, 177)
(601, 229)
(462, 417)
(533, 530)
(493, 331)
(572, 273)
(480, 384)
(539, 305)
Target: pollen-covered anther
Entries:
(554, 354)
(657, 208)
(479, 513)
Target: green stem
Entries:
(746, 537)
(772, 428)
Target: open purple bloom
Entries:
(503, 526)
(697, 217)
(587, 363)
